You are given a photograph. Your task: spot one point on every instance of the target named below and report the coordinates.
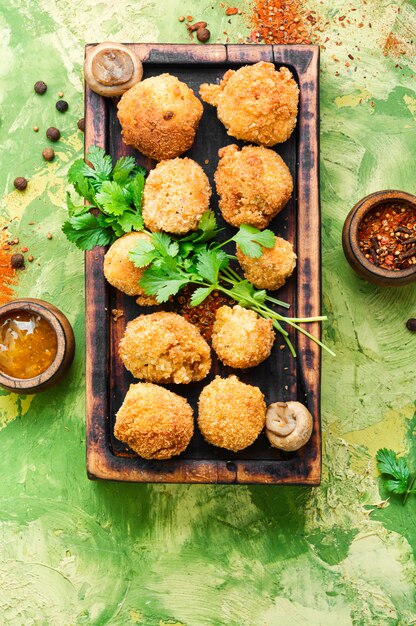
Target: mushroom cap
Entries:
(110, 69)
(288, 425)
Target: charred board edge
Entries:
(101, 463)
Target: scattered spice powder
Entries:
(203, 316)
(282, 22)
(7, 276)
(387, 236)
(231, 11)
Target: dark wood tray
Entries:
(280, 377)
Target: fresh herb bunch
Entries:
(401, 481)
(116, 191)
(197, 260)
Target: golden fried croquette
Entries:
(256, 103)
(231, 413)
(253, 184)
(121, 273)
(273, 268)
(240, 337)
(176, 195)
(159, 116)
(164, 348)
(154, 422)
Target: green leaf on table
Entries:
(163, 282)
(136, 187)
(389, 463)
(165, 245)
(130, 220)
(87, 231)
(113, 198)
(250, 240)
(102, 163)
(244, 292)
(200, 294)
(76, 170)
(143, 253)
(209, 263)
(123, 168)
(75, 209)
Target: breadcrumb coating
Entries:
(164, 348)
(253, 184)
(273, 268)
(231, 413)
(159, 116)
(121, 273)
(176, 195)
(256, 103)
(154, 422)
(241, 338)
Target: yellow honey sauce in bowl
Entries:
(37, 345)
(28, 344)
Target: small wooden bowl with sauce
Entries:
(37, 345)
(383, 256)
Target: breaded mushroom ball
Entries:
(159, 116)
(164, 348)
(231, 413)
(154, 422)
(273, 268)
(240, 337)
(121, 273)
(256, 103)
(175, 197)
(253, 184)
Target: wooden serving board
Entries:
(280, 377)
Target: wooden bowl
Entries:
(64, 352)
(352, 251)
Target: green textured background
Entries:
(76, 552)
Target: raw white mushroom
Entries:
(110, 69)
(288, 425)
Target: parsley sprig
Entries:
(400, 481)
(116, 191)
(197, 260)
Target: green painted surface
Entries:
(75, 552)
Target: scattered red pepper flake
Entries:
(231, 11)
(7, 276)
(202, 316)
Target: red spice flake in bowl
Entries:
(387, 236)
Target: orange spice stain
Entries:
(7, 276)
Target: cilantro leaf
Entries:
(136, 187)
(245, 291)
(143, 253)
(389, 463)
(163, 282)
(250, 240)
(131, 221)
(76, 170)
(86, 231)
(165, 245)
(200, 294)
(75, 209)
(102, 163)
(209, 263)
(123, 168)
(207, 229)
(112, 198)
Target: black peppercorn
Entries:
(48, 154)
(203, 34)
(411, 324)
(81, 124)
(62, 106)
(17, 261)
(53, 134)
(40, 87)
(20, 183)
